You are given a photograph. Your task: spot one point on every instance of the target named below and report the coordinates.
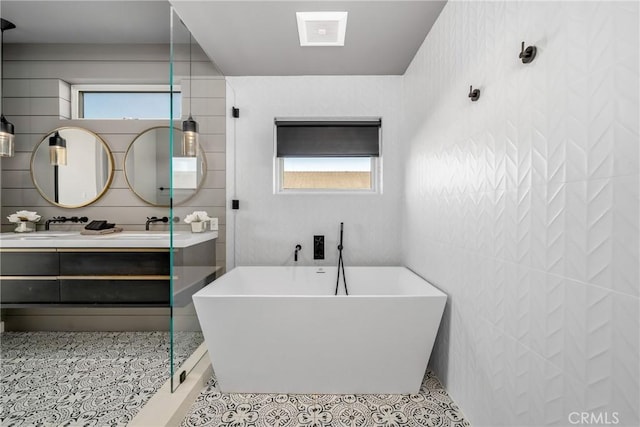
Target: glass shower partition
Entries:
(196, 192)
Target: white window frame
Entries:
(78, 90)
(278, 173)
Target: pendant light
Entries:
(57, 150)
(190, 126)
(7, 132)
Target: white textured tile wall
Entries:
(268, 226)
(524, 207)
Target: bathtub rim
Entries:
(435, 291)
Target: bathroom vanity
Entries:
(128, 269)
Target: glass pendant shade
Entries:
(189, 137)
(7, 137)
(57, 150)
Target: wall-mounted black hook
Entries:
(527, 55)
(474, 94)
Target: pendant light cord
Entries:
(4, 26)
(2, 71)
(190, 77)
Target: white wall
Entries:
(268, 226)
(523, 207)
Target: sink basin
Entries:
(138, 236)
(37, 236)
(146, 234)
(144, 237)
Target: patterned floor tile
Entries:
(431, 407)
(84, 378)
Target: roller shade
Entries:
(357, 138)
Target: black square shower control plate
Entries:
(318, 247)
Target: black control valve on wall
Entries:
(474, 94)
(527, 55)
(318, 247)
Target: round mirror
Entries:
(146, 167)
(72, 167)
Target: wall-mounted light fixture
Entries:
(527, 55)
(7, 131)
(474, 94)
(190, 126)
(57, 150)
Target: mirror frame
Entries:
(105, 146)
(200, 183)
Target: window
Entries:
(333, 156)
(124, 102)
(337, 173)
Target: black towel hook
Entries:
(527, 55)
(474, 94)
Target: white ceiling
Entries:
(261, 37)
(112, 21)
(241, 37)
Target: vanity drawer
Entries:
(19, 291)
(114, 291)
(29, 263)
(114, 263)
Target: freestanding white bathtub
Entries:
(282, 329)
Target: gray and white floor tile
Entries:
(83, 378)
(431, 407)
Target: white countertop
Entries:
(125, 239)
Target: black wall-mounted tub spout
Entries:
(64, 219)
(154, 219)
(295, 254)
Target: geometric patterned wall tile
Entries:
(539, 390)
(526, 205)
(496, 294)
(524, 219)
(601, 117)
(510, 298)
(522, 303)
(554, 320)
(553, 396)
(537, 312)
(626, 358)
(523, 392)
(599, 355)
(555, 228)
(573, 397)
(575, 47)
(574, 330)
(599, 232)
(626, 235)
(538, 253)
(575, 252)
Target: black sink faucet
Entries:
(154, 219)
(75, 219)
(295, 255)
